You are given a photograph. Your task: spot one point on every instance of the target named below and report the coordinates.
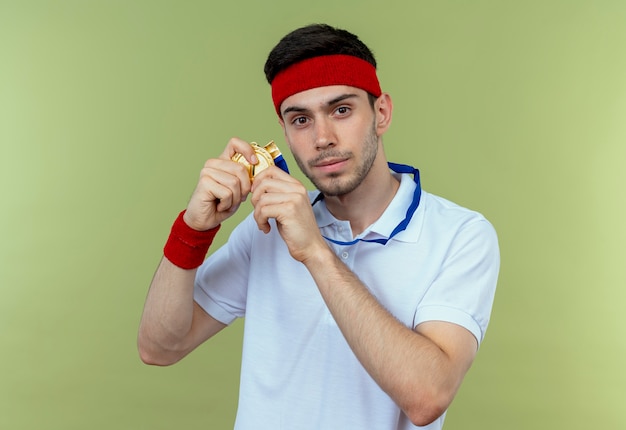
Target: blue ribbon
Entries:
(280, 162)
(398, 168)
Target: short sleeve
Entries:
(222, 280)
(464, 290)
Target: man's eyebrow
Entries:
(329, 103)
(294, 109)
(340, 99)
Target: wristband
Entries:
(186, 247)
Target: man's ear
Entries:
(383, 108)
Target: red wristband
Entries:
(186, 247)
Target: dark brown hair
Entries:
(312, 41)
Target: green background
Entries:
(108, 109)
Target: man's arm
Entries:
(173, 324)
(420, 369)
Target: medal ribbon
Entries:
(280, 162)
(398, 168)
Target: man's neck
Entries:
(368, 201)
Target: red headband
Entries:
(323, 71)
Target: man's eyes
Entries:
(304, 120)
(299, 120)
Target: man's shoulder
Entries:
(438, 209)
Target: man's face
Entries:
(332, 135)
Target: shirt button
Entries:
(344, 255)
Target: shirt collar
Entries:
(394, 214)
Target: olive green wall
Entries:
(108, 109)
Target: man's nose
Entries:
(324, 134)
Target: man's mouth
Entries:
(328, 162)
(330, 165)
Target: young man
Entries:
(364, 301)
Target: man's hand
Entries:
(173, 324)
(222, 187)
(276, 194)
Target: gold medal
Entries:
(263, 154)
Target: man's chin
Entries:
(334, 188)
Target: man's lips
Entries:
(330, 164)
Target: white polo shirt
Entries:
(298, 372)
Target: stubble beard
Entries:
(338, 186)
